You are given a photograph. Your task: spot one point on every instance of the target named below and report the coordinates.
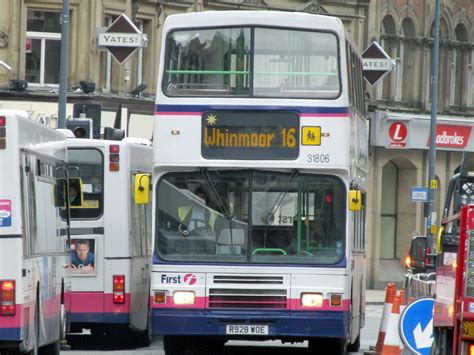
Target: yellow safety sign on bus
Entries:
(311, 135)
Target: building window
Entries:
(106, 60)
(408, 60)
(471, 81)
(460, 66)
(43, 44)
(389, 42)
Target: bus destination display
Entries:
(250, 135)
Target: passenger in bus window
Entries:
(82, 259)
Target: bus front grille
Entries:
(247, 298)
(248, 279)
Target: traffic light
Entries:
(92, 111)
(81, 127)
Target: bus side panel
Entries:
(10, 254)
(87, 295)
(116, 313)
(116, 212)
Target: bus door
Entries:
(140, 250)
(27, 185)
(86, 164)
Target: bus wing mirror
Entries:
(60, 193)
(142, 189)
(75, 192)
(355, 200)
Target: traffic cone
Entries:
(390, 292)
(403, 305)
(403, 300)
(392, 341)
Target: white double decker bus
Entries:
(34, 243)
(260, 167)
(110, 238)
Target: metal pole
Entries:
(432, 183)
(63, 65)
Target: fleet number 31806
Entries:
(318, 158)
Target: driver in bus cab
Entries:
(196, 217)
(82, 259)
(74, 195)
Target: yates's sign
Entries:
(452, 136)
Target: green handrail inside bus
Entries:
(245, 72)
(269, 250)
(239, 72)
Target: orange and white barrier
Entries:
(403, 305)
(390, 292)
(392, 341)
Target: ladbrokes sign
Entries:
(452, 136)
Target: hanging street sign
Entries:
(122, 39)
(376, 63)
(419, 194)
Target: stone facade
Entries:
(405, 30)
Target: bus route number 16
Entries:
(318, 158)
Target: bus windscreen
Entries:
(250, 216)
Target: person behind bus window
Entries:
(82, 259)
(196, 216)
(74, 195)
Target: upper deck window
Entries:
(252, 62)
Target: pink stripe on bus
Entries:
(292, 304)
(12, 321)
(295, 304)
(97, 302)
(201, 303)
(162, 113)
(342, 115)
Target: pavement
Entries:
(375, 297)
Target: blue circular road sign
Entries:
(416, 325)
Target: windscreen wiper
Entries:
(276, 205)
(220, 202)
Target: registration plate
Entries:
(246, 329)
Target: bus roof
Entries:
(267, 18)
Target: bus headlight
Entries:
(184, 297)
(312, 299)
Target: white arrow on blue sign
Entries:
(416, 325)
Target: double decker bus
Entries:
(259, 178)
(110, 238)
(34, 239)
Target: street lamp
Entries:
(433, 183)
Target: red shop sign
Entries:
(452, 136)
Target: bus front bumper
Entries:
(281, 324)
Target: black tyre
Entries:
(324, 346)
(50, 349)
(173, 345)
(355, 346)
